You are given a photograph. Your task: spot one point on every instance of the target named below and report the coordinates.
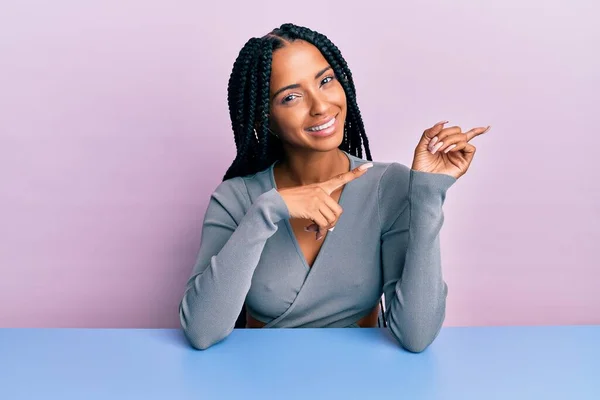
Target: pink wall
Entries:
(107, 111)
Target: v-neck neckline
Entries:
(290, 229)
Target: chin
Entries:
(327, 144)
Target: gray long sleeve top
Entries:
(386, 241)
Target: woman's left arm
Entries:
(411, 219)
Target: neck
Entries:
(300, 169)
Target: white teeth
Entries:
(324, 126)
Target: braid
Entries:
(248, 100)
(265, 141)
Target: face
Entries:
(308, 103)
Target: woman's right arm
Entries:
(232, 242)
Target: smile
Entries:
(324, 126)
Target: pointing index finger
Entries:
(333, 184)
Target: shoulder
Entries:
(396, 173)
(243, 190)
(387, 175)
(394, 184)
(390, 181)
(231, 194)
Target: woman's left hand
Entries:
(446, 150)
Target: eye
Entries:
(288, 98)
(327, 79)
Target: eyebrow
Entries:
(295, 85)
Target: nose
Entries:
(319, 104)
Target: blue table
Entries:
(463, 363)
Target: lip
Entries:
(325, 132)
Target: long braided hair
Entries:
(248, 100)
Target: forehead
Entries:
(296, 62)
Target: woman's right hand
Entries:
(314, 202)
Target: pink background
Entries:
(114, 131)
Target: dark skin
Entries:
(306, 98)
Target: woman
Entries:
(303, 232)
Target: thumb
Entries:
(315, 228)
(312, 228)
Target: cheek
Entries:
(290, 119)
(338, 97)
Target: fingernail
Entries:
(433, 142)
(319, 236)
(449, 148)
(437, 147)
(331, 229)
(488, 128)
(363, 167)
(442, 122)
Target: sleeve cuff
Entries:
(272, 202)
(423, 185)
